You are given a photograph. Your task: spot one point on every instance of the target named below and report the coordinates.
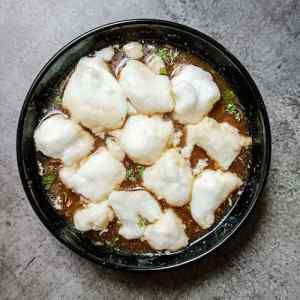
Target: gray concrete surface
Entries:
(262, 261)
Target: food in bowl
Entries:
(143, 147)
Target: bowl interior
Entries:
(160, 32)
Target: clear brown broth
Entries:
(72, 201)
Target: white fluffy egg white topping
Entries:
(221, 141)
(95, 177)
(132, 208)
(144, 139)
(59, 137)
(211, 188)
(94, 216)
(148, 92)
(93, 96)
(170, 178)
(195, 94)
(125, 144)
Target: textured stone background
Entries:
(262, 261)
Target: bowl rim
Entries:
(143, 21)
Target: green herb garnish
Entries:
(173, 55)
(228, 96)
(163, 71)
(140, 170)
(130, 175)
(134, 174)
(232, 109)
(163, 53)
(47, 181)
(57, 100)
(230, 106)
(167, 54)
(112, 242)
(142, 222)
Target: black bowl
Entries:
(183, 38)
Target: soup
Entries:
(174, 155)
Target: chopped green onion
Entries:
(232, 109)
(140, 170)
(134, 174)
(228, 96)
(112, 242)
(142, 222)
(47, 181)
(130, 175)
(163, 71)
(173, 55)
(230, 106)
(163, 53)
(168, 54)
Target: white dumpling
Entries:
(133, 50)
(144, 138)
(195, 94)
(94, 97)
(148, 92)
(156, 64)
(168, 233)
(210, 190)
(61, 138)
(221, 141)
(170, 178)
(96, 177)
(94, 216)
(131, 208)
